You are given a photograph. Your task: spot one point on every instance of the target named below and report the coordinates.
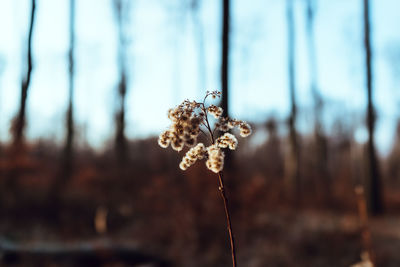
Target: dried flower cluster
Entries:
(215, 111)
(195, 153)
(189, 120)
(227, 140)
(185, 126)
(215, 160)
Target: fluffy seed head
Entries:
(183, 166)
(215, 160)
(227, 140)
(190, 142)
(177, 143)
(164, 139)
(195, 153)
(215, 111)
(189, 120)
(245, 129)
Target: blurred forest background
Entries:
(84, 91)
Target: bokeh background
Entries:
(84, 91)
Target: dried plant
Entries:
(189, 120)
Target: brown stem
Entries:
(208, 124)
(206, 134)
(228, 218)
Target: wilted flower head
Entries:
(215, 160)
(164, 139)
(227, 140)
(215, 111)
(195, 153)
(189, 120)
(245, 129)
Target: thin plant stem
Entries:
(228, 218)
(221, 188)
(208, 124)
(205, 135)
(190, 107)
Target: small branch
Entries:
(208, 124)
(228, 218)
(204, 100)
(205, 135)
(214, 131)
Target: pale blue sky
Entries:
(163, 64)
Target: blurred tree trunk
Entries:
(318, 103)
(292, 164)
(65, 170)
(225, 70)
(19, 123)
(273, 158)
(120, 8)
(225, 56)
(321, 143)
(68, 150)
(373, 184)
(17, 155)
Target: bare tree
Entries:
(18, 126)
(310, 12)
(293, 166)
(67, 158)
(121, 8)
(373, 186)
(225, 70)
(71, 69)
(321, 143)
(225, 55)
